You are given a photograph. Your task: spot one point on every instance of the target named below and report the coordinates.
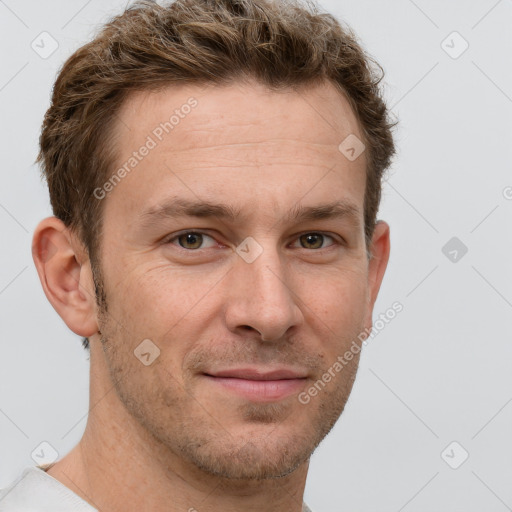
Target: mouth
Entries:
(259, 385)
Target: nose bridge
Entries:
(261, 296)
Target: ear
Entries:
(380, 248)
(65, 274)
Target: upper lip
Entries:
(259, 374)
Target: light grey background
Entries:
(439, 372)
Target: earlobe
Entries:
(65, 275)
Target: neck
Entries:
(118, 465)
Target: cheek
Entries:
(336, 315)
(339, 298)
(162, 294)
(171, 308)
(162, 302)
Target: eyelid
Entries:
(323, 233)
(337, 239)
(175, 236)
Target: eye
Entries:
(192, 240)
(314, 240)
(195, 240)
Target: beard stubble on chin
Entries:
(174, 421)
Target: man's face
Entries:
(222, 320)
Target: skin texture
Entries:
(165, 436)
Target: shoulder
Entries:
(36, 491)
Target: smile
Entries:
(257, 385)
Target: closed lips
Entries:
(251, 374)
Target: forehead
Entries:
(248, 104)
(242, 143)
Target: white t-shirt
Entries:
(37, 491)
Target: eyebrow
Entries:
(180, 207)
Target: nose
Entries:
(261, 297)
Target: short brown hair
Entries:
(281, 43)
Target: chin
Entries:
(263, 454)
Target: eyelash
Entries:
(339, 242)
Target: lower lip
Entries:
(260, 390)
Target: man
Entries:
(215, 170)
